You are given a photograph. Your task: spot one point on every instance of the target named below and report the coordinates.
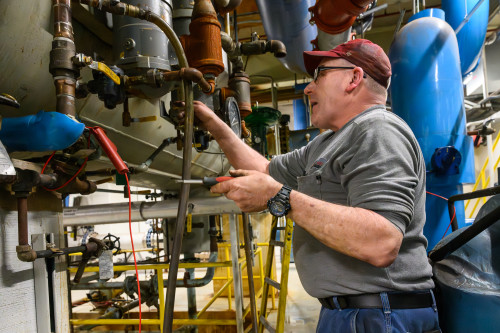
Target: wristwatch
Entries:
(279, 205)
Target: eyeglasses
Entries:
(319, 69)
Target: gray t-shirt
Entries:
(373, 162)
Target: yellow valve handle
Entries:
(101, 67)
(189, 222)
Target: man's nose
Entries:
(309, 88)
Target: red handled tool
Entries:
(208, 181)
(110, 149)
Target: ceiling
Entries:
(382, 32)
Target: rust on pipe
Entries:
(336, 16)
(22, 220)
(203, 46)
(62, 19)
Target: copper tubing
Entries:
(22, 220)
(336, 16)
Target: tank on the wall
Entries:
(426, 91)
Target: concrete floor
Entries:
(301, 315)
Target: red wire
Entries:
(133, 250)
(454, 212)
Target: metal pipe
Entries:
(143, 210)
(226, 6)
(22, 220)
(63, 50)
(59, 252)
(114, 313)
(249, 258)
(475, 229)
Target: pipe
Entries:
(336, 16)
(226, 6)
(23, 250)
(466, 196)
(145, 165)
(249, 259)
(472, 231)
(190, 74)
(61, 65)
(22, 220)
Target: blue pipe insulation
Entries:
(471, 36)
(426, 91)
(288, 21)
(43, 131)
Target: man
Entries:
(356, 194)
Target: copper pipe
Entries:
(22, 220)
(62, 19)
(191, 74)
(63, 50)
(336, 16)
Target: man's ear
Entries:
(357, 76)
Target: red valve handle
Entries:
(110, 149)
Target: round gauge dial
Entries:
(232, 115)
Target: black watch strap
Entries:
(279, 205)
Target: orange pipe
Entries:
(336, 16)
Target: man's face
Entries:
(327, 92)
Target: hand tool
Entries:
(207, 181)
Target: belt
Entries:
(397, 300)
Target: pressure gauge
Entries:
(232, 115)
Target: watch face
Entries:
(278, 208)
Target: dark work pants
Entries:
(385, 320)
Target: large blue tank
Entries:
(471, 36)
(288, 21)
(426, 91)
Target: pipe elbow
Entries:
(25, 253)
(277, 48)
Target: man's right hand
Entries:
(203, 115)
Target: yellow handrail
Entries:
(481, 178)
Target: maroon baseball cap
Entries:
(359, 52)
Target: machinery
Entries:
(101, 91)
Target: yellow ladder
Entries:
(282, 286)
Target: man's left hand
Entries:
(250, 190)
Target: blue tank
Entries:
(471, 36)
(426, 91)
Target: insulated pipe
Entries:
(142, 210)
(336, 16)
